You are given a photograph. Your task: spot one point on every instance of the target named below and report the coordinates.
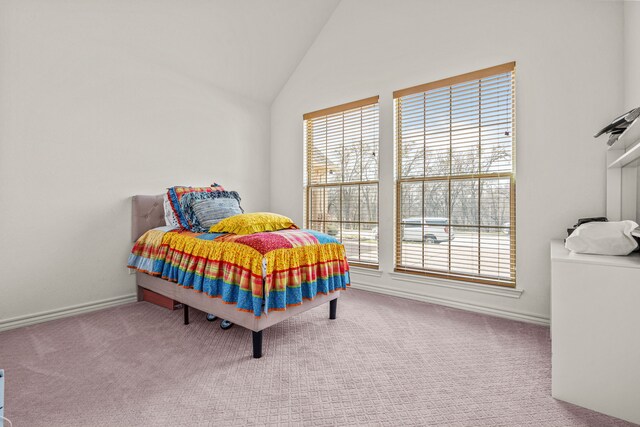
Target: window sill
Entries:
(459, 285)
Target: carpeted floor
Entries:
(384, 361)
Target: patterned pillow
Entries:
(175, 195)
(253, 223)
(204, 210)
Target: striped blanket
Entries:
(256, 272)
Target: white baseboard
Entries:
(522, 317)
(45, 316)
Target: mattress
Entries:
(257, 272)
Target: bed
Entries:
(252, 281)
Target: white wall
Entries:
(632, 54)
(569, 83)
(93, 111)
(631, 177)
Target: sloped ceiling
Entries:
(248, 47)
(254, 45)
(245, 47)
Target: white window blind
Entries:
(342, 176)
(455, 177)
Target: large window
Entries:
(455, 177)
(342, 176)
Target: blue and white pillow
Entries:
(203, 210)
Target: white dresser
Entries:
(595, 331)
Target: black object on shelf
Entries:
(584, 221)
(618, 125)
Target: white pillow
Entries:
(169, 217)
(603, 238)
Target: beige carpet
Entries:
(384, 361)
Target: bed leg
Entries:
(140, 294)
(186, 314)
(257, 344)
(333, 308)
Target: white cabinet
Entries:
(595, 331)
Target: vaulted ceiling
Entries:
(248, 47)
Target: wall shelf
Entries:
(623, 174)
(630, 155)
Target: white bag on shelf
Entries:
(603, 238)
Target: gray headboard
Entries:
(147, 213)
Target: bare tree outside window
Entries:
(342, 176)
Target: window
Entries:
(342, 176)
(455, 177)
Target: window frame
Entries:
(399, 180)
(309, 187)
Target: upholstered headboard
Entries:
(147, 213)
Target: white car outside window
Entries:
(430, 230)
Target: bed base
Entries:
(189, 298)
(257, 335)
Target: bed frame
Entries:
(148, 213)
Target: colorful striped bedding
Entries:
(257, 272)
